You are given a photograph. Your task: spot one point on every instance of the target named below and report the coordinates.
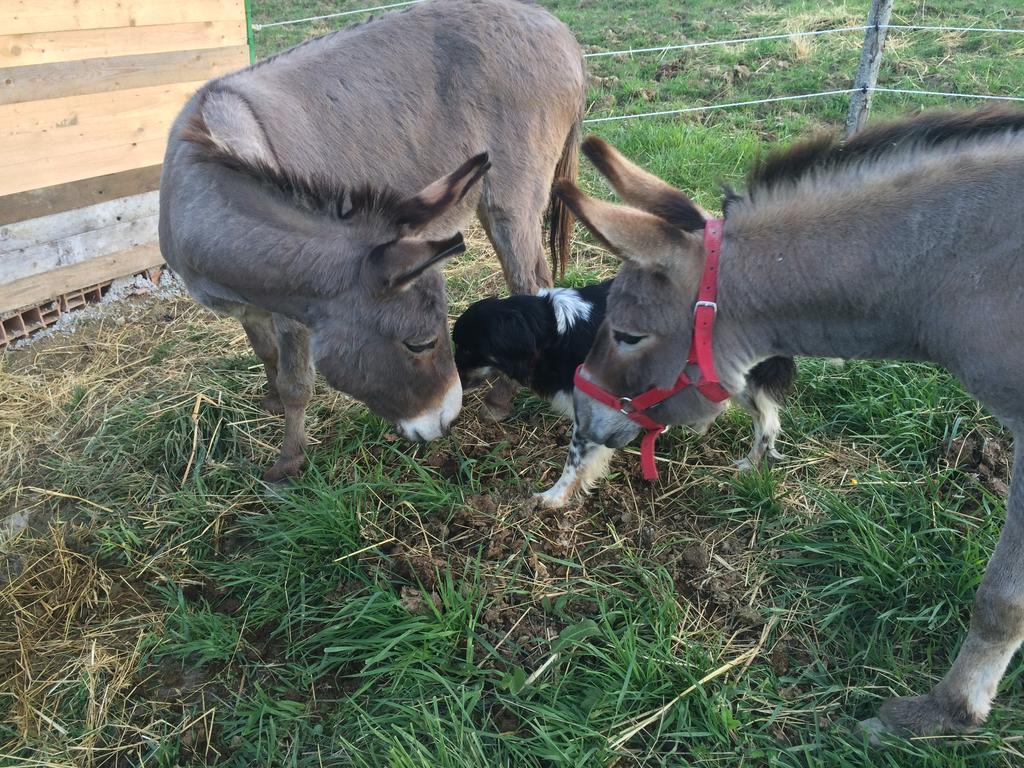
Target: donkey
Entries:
(311, 196)
(922, 224)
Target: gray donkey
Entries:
(906, 242)
(311, 196)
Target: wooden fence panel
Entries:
(88, 92)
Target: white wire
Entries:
(258, 27)
(794, 98)
(736, 41)
(931, 28)
(684, 46)
(720, 106)
(945, 93)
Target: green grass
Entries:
(401, 605)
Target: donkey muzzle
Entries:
(435, 422)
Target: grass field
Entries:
(402, 606)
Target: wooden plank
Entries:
(74, 45)
(21, 235)
(70, 111)
(77, 137)
(23, 16)
(100, 132)
(49, 171)
(75, 124)
(40, 288)
(77, 194)
(21, 263)
(117, 73)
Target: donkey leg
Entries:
(295, 388)
(586, 463)
(962, 699)
(516, 238)
(515, 232)
(764, 411)
(259, 327)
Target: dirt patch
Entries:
(985, 459)
(670, 69)
(537, 568)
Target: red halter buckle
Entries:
(701, 355)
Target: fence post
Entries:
(870, 62)
(249, 32)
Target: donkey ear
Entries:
(422, 208)
(398, 265)
(642, 189)
(629, 233)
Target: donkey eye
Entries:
(627, 338)
(418, 348)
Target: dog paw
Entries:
(551, 499)
(495, 412)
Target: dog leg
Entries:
(586, 463)
(498, 402)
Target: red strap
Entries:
(701, 355)
(701, 351)
(654, 395)
(647, 465)
(591, 389)
(629, 408)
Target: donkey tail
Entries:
(560, 216)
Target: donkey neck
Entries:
(869, 266)
(270, 253)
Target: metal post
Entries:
(249, 30)
(870, 63)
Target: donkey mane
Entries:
(829, 151)
(317, 193)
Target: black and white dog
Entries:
(540, 340)
(535, 340)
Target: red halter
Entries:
(701, 355)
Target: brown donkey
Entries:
(311, 195)
(906, 242)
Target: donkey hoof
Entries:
(925, 715)
(284, 469)
(744, 465)
(272, 404)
